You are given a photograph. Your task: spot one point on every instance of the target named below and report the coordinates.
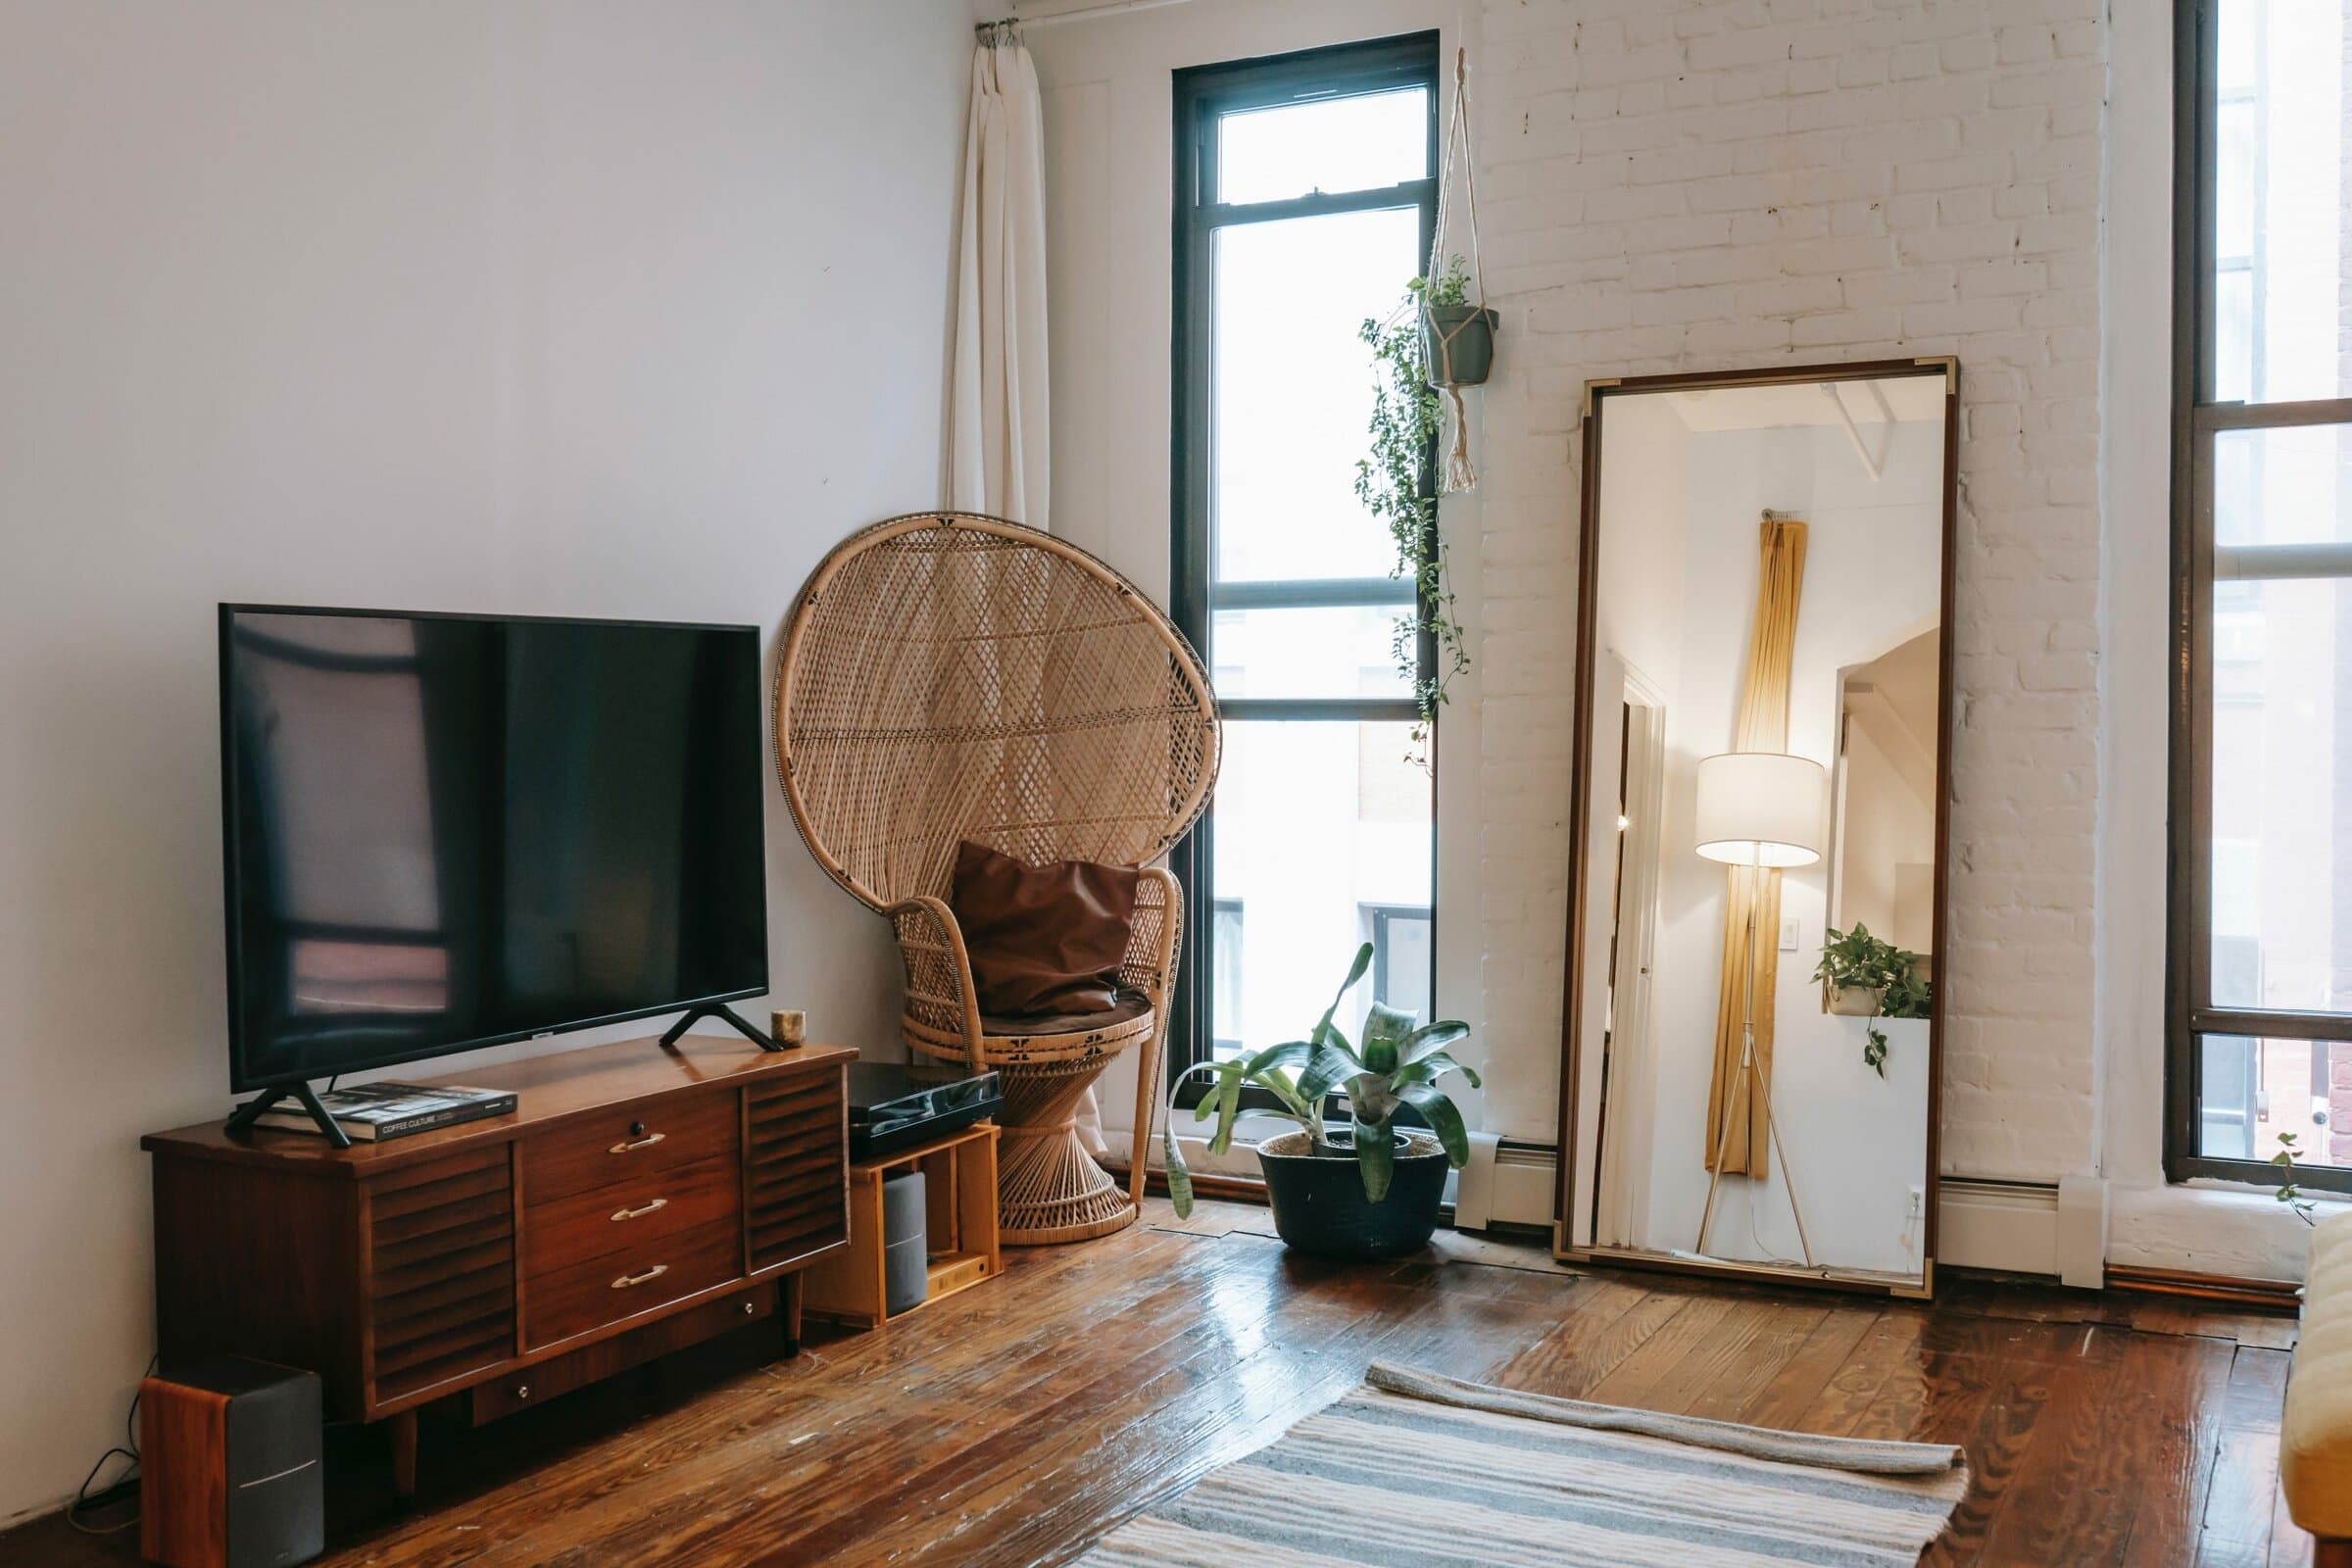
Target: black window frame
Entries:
(2199, 419)
(1202, 94)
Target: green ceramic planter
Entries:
(1457, 342)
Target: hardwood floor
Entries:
(1015, 1423)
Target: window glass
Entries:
(1400, 958)
(1333, 145)
(2280, 130)
(2290, 485)
(1342, 651)
(1320, 838)
(1225, 959)
(1295, 846)
(2260, 1092)
(1292, 390)
(2281, 926)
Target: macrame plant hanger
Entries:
(1459, 475)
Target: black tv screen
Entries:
(447, 831)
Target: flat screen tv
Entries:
(449, 831)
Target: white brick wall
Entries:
(1688, 186)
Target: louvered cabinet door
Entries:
(440, 1272)
(796, 1184)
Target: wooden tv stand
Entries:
(638, 1200)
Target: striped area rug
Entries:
(1427, 1471)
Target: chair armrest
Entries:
(939, 971)
(1149, 965)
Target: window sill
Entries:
(2212, 1227)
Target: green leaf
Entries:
(1375, 1158)
(1330, 1064)
(1229, 1107)
(1433, 1037)
(1442, 1118)
(1180, 1180)
(1384, 1032)
(1274, 1059)
(1370, 1097)
(1207, 1106)
(1355, 972)
(1430, 1068)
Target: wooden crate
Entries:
(959, 1181)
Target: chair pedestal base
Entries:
(1048, 1188)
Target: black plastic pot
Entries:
(1319, 1203)
(1458, 343)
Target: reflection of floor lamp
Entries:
(1761, 809)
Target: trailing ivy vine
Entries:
(1395, 484)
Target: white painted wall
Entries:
(577, 308)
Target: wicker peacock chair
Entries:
(948, 676)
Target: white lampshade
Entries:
(1760, 808)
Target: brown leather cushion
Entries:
(1128, 1006)
(1044, 940)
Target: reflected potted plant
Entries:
(1869, 978)
(1372, 1191)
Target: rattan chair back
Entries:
(949, 676)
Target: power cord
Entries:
(126, 1482)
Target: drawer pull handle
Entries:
(653, 1273)
(647, 1142)
(640, 1210)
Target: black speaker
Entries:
(229, 1471)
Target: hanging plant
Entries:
(1457, 337)
(1438, 340)
(1393, 485)
(1457, 328)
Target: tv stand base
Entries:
(724, 1014)
(242, 1119)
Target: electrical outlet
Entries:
(1788, 934)
(1919, 1201)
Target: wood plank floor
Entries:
(1018, 1422)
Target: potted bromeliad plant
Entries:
(1869, 978)
(1369, 1191)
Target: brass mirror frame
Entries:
(1597, 393)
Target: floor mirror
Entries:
(1752, 1033)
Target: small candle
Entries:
(790, 1026)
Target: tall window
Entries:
(2261, 959)
(1305, 202)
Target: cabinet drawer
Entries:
(571, 1369)
(630, 1214)
(611, 1289)
(629, 1141)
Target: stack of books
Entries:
(373, 1112)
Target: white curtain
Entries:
(997, 456)
(996, 432)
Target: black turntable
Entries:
(896, 1105)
